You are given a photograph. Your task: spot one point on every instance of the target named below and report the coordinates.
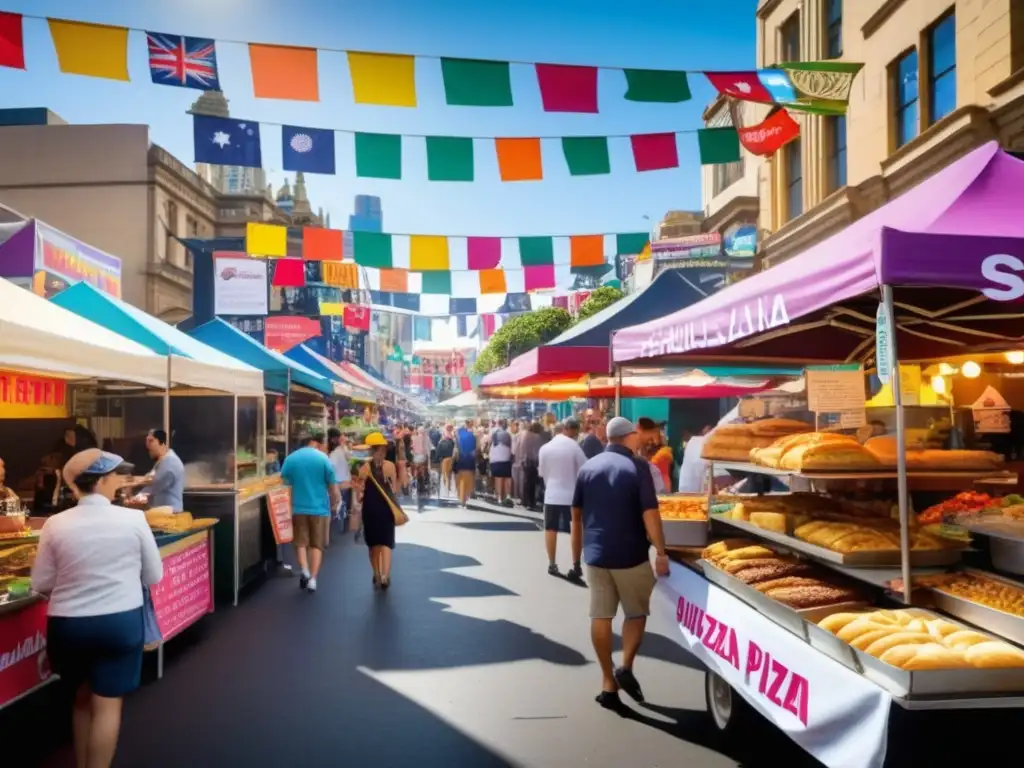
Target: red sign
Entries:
(23, 661)
(279, 505)
(32, 397)
(282, 333)
(356, 318)
(185, 593)
(770, 135)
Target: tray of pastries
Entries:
(786, 589)
(816, 452)
(983, 599)
(912, 652)
(684, 519)
(734, 442)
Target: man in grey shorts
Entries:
(615, 513)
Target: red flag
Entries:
(740, 85)
(770, 135)
(489, 325)
(282, 333)
(356, 318)
(12, 42)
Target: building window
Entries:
(192, 231)
(833, 28)
(171, 226)
(794, 179)
(906, 97)
(725, 175)
(837, 152)
(789, 39)
(942, 68)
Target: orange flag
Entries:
(320, 244)
(394, 281)
(586, 250)
(284, 72)
(344, 275)
(492, 281)
(519, 159)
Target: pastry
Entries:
(864, 640)
(954, 461)
(772, 455)
(736, 566)
(883, 644)
(924, 656)
(837, 621)
(811, 596)
(779, 570)
(994, 655)
(770, 521)
(779, 427)
(786, 581)
(719, 548)
(963, 639)
(840, 455)
(748, 553)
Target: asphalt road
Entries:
(475, 657)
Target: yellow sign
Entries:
(32, 397)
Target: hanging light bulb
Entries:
(1016, 357)
(945, 369)
(971, 369)
(938, 385)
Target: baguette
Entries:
(963, 639)
(837, 621)
(883, 644)
(994, 655)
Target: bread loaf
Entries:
(837, 621)
(837, 455)
(963, 639)
(883, 644)
(779, 427)
(954, 461)
(770, 521)
(994, 655)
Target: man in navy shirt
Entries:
(615, 512)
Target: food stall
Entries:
(211, 409)
(44, 350)
(828, 607)
(291, 389)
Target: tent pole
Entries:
(287, 410)
(167, 403)
(901, 441)
(618, 391)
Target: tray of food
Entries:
(788, 591)
(684, 519)
(916, 653)
(851, 544)
(983, 599)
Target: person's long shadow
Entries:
(657, 646)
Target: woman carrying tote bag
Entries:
(381, 513)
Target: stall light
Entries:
(971, 370)
(1016, 356)
(945, 369)
(938, 385)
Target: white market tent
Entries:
(467, 399)
(37, 336)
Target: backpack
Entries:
(502, 437)
(465, 443)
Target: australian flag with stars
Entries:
(227, 141)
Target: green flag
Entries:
(822, 87)
(379, 155)
(718, 145)
(657, 85)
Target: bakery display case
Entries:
(684, 519)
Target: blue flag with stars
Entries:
(227, 141)
(310, 150)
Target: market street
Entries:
(475, 657)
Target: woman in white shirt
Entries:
(92, 562)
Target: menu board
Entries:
(837, 389)
(279, 505)
(185, 593)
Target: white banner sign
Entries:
(240, 286)
(830, 711)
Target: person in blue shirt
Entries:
(615, 513)
(465, 461)
(314, 486)
(167, 479)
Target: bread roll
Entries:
(778, 427)
(837, 621)
(779, 570)
(840, 455)
(883, 448)
(954, 461)
(940, 628)
(963, 639)
(831, 533)
(881, 645)
(735, 566)
(748, 553)
(732, 429)
(770, 521)
(863, 641)
(921, 656)
(861, 626)
(994, 655)
(786, 581)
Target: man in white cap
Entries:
(615, 513)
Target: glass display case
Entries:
(251, 441)
(276, 432)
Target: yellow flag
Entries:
(331, 309)
(266, 239)
(383, 78)
(95, 50)
(428, 253)
(645, 254)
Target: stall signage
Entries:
(1005, 271)
(23, 661)
(76, 262)
(279, 505)
(185, 593)
(883, 344)
(833, 713)
(240, 287)
(32, 397)
(282, 333)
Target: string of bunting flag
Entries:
(234, 141)
(389, 79)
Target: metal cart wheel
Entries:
(728, 710)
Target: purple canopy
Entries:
(952, 248)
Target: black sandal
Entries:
(385, 582)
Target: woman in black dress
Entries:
(378, 519)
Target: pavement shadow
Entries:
(656, 646)
(502, 527)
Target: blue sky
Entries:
(663, 34)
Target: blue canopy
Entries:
(275, 366)
(306, 357)
(190, 362)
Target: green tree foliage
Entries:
(601, 298)
(520, 334)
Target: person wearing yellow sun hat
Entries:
(376, 490)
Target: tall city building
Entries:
(226, 179)
(367, 216)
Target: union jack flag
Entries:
(187, 62)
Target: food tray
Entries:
(685, 533)
(995, 527)
(925, 557)
(882, 473)
(781, 614)
(1000, 623)
(824, 641)
(938, 682)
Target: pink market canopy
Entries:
(952, 248)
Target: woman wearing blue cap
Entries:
(92, 562)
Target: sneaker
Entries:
(610, 700)
(553, 570)
(575, 575)
(311, 586)
(303, 581)
(627, 681)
